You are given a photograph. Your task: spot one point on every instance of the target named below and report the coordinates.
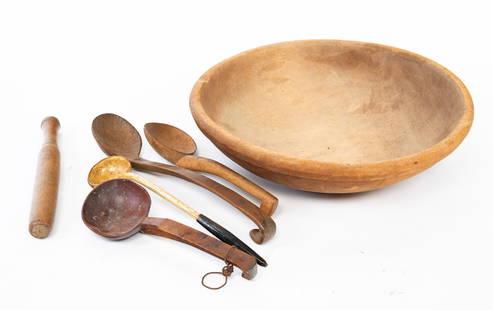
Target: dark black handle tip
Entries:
(225, 236)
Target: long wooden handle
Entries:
(266, 226)
(170, 229)
(46, 184)
(164, 194)
(268, 202)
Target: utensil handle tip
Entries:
(50, 121)
(226, 236)
(39, 230)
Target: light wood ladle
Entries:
(179, 148)
(117, 167)
(116, 136)
(118, 209)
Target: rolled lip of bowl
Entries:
(316, 169)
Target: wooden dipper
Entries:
(46, 183)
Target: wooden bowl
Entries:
(332, 116)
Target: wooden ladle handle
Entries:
(266, 226)
(173, 230)
(268, 203)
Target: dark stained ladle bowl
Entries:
(118, 209)
(117, 137)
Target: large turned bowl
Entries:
(332, 116)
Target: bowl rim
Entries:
(318, 169)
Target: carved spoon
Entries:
(117, 167)
(178, 147)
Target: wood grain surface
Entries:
(46, 183)
(332, 116)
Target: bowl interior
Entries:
(115, 209)
(334, 101)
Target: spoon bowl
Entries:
(169, 141)
(116, 136)
(107, 169)
(117, 209)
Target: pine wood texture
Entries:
(46, 183)
(332, 116)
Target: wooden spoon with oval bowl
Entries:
(116, 136)
(117, 167)
(118, 209)
(178, 147)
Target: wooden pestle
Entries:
(46, 183)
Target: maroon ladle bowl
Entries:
(116, 209)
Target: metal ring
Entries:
(214, 288)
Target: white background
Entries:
(425, 243)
